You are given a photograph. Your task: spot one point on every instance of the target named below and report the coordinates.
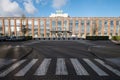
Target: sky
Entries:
(75, 8)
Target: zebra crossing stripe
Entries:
(61, 67)
(99, 71)
(117, 72)
(14, 66)
(80, 70)
(23, 71)
(42, 70)
(4, 62)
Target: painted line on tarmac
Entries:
(115, 71)
(99, 71)
(42, 70)
(23, 71)
(61, 67)
(4, 62)
(14, 66)
(80, 70)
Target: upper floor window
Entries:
(111, 23)
(117, 22)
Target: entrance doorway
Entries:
(61, 34)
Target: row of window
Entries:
(60, 22)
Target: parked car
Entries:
(13, 38)
(20, 38)
(7, 38)
(2, 38)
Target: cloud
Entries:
(29, 7)
(10, 8)
(57, 4)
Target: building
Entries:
(60, 24)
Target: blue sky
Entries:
(75, 8)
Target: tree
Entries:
(24, 30)
(1, 34)
(95, 29)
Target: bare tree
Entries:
(95, 28)
(24, 29)
(1, 34)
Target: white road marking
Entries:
(23, 71)
(99, 71)
(14, 66)
(42, 70)
(4, 62)
(61, 67)
(115, 71)
(80, 70)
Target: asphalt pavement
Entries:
(14, 52)
(62, 60)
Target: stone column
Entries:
(44, 28)
(9, 27)
(3, 27)
(32, 27)
(97, 26)
(27, 27)
(108, 27)
(15, 29)
(20, 27)
(91, 26)
(73, 27)
(79, 27)
(103, 25)
(114, 31)
(62, 21)
(85, 25)
(56, 24)
(119, 27)
(38, 28)
(68, 26)
(50, 27)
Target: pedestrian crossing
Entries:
(80, 70)
(4, 62)
(43, 67)
(61, 67)
(14, 66)
(23, 71)
(99, 71)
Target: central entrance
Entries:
(60, 34)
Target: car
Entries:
(2, 38)
(7, 38)
(20, 38)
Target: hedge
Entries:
(97, 37)
(28, 37)
(117, 38)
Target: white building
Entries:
(59, 13)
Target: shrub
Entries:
(28, 37)
(97, 37)
(117, 38)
